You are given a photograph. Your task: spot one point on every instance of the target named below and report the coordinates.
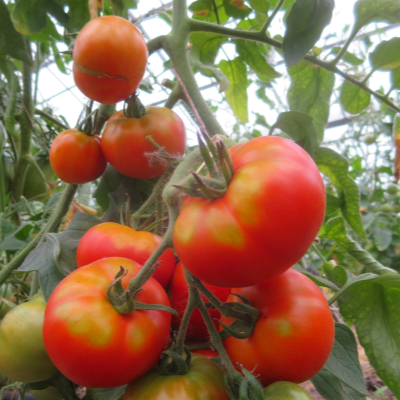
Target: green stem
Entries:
(26, 132)
(3, 136)
(271, 17)
(201, 26)
(52, 223)
(216, 12)
(174, 96)
(34, 284)
(51, 118)
(155, 44)
(343, 50)
(9, 114)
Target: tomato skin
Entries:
(294, 333)
(89, 341)
(204, 380)
(125, 145)
(115, 50)
(23, 356)
(114, 240)
(285, 391)
(76, 157)
(266, 221)
(178, 292)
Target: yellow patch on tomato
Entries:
(96, 331)
(283, 328)
(187, 226)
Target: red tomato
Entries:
(110, 57)
(294, 333)
(204, 380)
(265, 222)
(178, 294)
(76, 157)
(89, 341)
(127, 149)
(114, 240)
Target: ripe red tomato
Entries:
(76, 157)
(294, 333)
(178, 294)
(127, 149)
(89, 341)
(265, 222)
(204, 380)
(110, 57)
(114, 240)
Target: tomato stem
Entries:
(133, 107)
(207, 157)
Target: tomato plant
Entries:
(126, 148)
(23, 356)
(178, 292)
(50, 393)
(294, 333)
(114, 240)
(76, 157)
(110, 57)
(204, 380)
(265, 222)
(285, 391)
(89, 341)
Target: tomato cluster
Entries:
(101, 331)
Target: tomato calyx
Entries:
(174, 363)
(244, 387)
(133, 107)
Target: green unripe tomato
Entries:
(370, 138)
(392, 189)
(285, 391)
(50, 393)
(386, 208)
(23, 356)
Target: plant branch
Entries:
(272, 16)
(155, 44)
(51, 118)
(343, 50)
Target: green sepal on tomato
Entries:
(204, 380)
(115, 240)
(23, 356)
(178, 293)
(89, 341)
(294, 333)
(126, 148)
(77, 158)
(110, 58)
(265, 222)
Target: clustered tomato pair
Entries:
(110, 57)
(242, 243)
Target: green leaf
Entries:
(252, 55)
(348, 57)
(78, 15)
(201, 7)
(11, 42)
(260, 6)
(336, 167)
(332, 388)
(386, 55)
(381, 233)
(121, 7)
(395, 78)
(333, 204)
(12, 243)
(304, 25)
(235, 71)
(29, 16)
(300, 128)
(316, 279)
(109, 182)
(205, 46)
(353, 99)
(373, 304)
(215, 72)
(105, 394)
(58, 59)
(367, 11)
(236, 9)
(56, 257)
(310, 93)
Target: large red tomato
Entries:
(76, 157)
(204, 380)
(114, 240)
(294, 333)
(265, 222)
(178, 294)
(89, 341)
(126, 148)
(110, 57)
